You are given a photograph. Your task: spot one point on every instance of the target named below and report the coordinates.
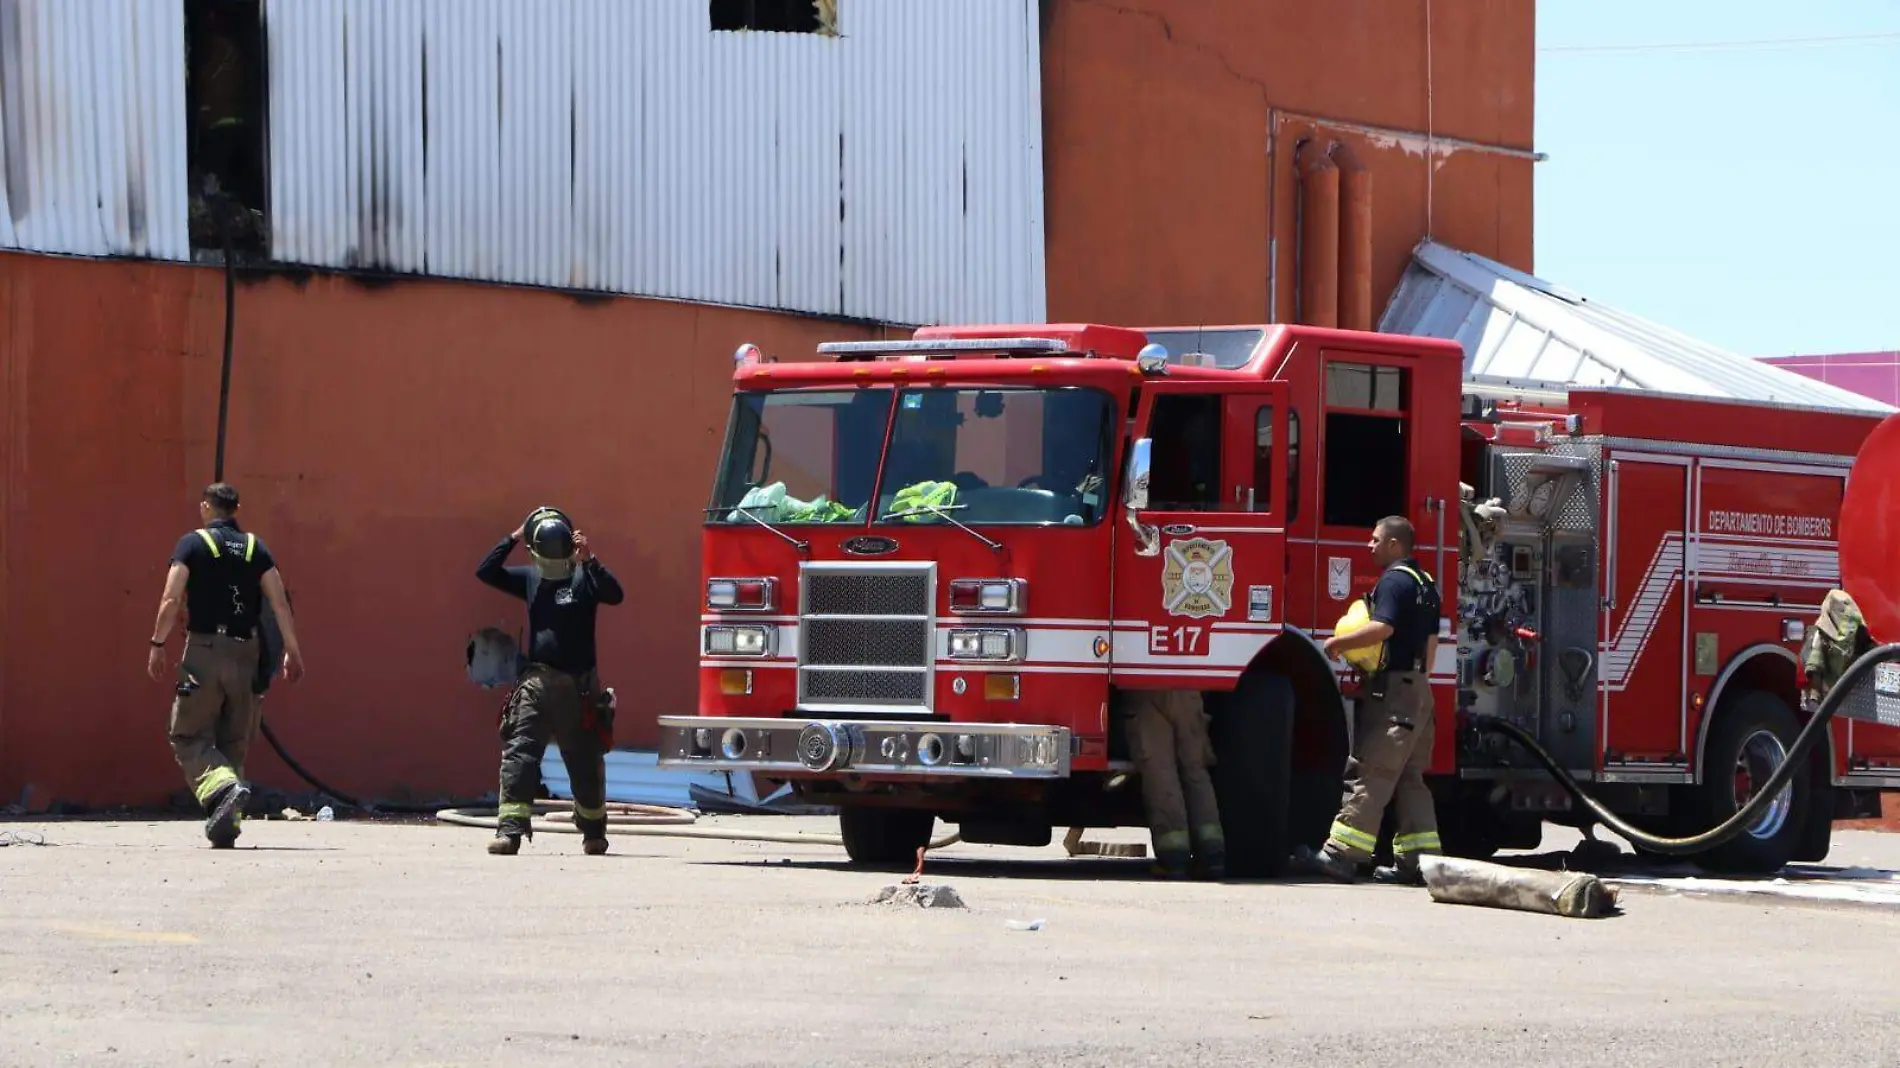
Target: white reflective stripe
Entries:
(1223, 648)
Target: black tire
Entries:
(1252, 732)
(884, 837)
(1775, 837)
(1817, 833)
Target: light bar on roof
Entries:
(915, 348)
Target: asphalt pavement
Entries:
(354, 942)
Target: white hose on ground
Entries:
(659, 821)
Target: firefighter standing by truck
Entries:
(1167, 736)
(558, 695)
(221, 576)
(1392, 741)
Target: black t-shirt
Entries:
(1411, 608)
(225, 586)
(561, 616)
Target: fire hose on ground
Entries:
(659, 821)
(1471, 882)
(1696, 843)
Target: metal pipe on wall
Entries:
(1319, 240)
(1355, 240)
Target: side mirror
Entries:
(1140, 462)
(1135, 496)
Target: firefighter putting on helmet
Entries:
(558, 696)
(1391, 636)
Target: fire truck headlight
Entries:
(732, 640)
(989, 644)
(1793, 630)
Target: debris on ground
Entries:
(922, 895)
(11, 838)
(1025, 925)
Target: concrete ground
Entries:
(350, 942)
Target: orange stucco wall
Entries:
(1171, 129)
(383, 438)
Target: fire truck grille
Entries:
(867, 637)
(868, 642)
(867, 687)
(886, 594)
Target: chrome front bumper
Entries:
(865, 747)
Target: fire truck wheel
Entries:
(1252, 732)
(1746, 745)
(884, 837)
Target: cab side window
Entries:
(1186, 435)
(1366, 467)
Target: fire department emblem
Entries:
(1197, 579)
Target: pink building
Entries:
(1870, 374)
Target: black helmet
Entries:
(550, 534)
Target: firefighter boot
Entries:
(1398, 874)
(593, 835)
(515, 821)
(226, 808)
(1332, 865)
(1214, 864)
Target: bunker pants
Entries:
(1167, 737)
(214, 713)
(1392, 744)
(549, 705)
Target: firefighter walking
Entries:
(1392, 737)
(221, 576)
(558, 695)
(1167, 737)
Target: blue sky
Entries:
(1745, 195)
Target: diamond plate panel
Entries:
(868, 642)
(1578, 511)
(1876, 698)
(867, 594)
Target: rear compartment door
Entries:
(1194, 606)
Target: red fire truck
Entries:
(929, 564)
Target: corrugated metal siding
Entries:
(92, 127)
(1520, 329)
(892, 173)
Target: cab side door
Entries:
(1200, 555)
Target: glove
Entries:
(597, 717)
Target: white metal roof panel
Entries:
(893, 172)
(1521, 330)
(92, 128)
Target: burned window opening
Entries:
(226, 102)
(776, 16)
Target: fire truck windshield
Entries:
(998, 456)
(801, 456)
(956, 455)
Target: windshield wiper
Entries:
(803, 547)
(939, 510)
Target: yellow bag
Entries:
(1368, 659)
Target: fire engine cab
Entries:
(930, 564)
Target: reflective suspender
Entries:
(250, 544)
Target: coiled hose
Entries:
(1743, 816)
